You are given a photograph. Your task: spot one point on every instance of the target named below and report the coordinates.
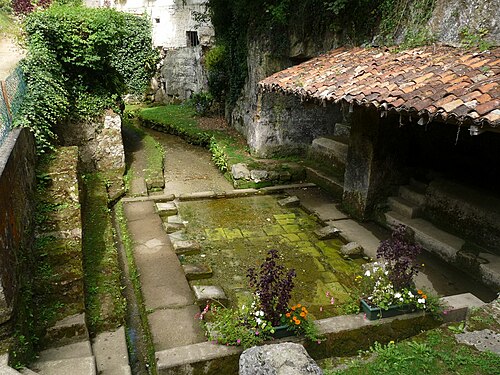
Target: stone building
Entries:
(181, 36)
(415, 133)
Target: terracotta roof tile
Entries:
(436, 80)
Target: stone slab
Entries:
(75, 350)
(490, 271)
(188, 247)
(146, 229)
(167, 208)
(351, 231)
(197, 271)
(327, 232)
(68, 330)
(163, 282)
(173, 227)
(74, 366)
(138, 187)
(293, 201)
(180, 235)
(24, 371)
(6, 370)
(457, 306)
(110, 350)
(172, 328)
(484, 340)
(351, 249)
(204, 293)
(138, 210)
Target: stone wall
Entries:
(470, 212)
(181, 74)
(283, 125)
(17, 185)
(100, 146)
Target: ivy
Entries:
(80, 62)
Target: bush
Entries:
(80, 61)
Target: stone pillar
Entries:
(359, 163)
(378, 150)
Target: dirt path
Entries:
(10, 55)
(188, 168)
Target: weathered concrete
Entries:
(110, 351)
(197, 271)
(10, 55)
(329, 150)
(292, 201)
(351, 249)
(490, 271)
(75, 350)
(163, 282)
(76, 366)
(484, 340)
(69, 330)
(175, 327)
(209, 293)
(327, 232)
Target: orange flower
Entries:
(293, 308)
(419, 291)
(299, 305)
(303, 314)
(297, 322)
(287, 315)
(424, 296)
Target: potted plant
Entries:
(387, 286)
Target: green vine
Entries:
(80, 62)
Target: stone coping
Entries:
(345, 335)
(213, 195)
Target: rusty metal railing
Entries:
(12, 92)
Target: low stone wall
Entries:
(17, 185)
(283, 125)
(471, 213)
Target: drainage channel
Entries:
(137, 338)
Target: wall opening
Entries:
(192, 38)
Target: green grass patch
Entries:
(154, 154)
(434, 352)
(134, 278)
(105, 304)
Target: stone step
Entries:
(404, 207)
(73, 366)
(75, 350)
(490, 271)
(434, 240)
(24, 371)
(332, 149)
(197, 271)
(166, 208)
(329, 183)
(207, 293)
(111, 355)
(67, 331)
(411, 194)
(418, 186)
(188, 247)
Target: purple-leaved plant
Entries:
(273, 286)
(400, 255)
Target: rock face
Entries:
(278, 359)
(451, 18)
(351, 249)
(100, 147)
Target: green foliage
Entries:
(5, 6)
(202, 103)
(219, 156)
(80, 61)
(471, 38)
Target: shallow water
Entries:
(237, 233)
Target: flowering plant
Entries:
(245, 326)
(296, 321)
(273, 286)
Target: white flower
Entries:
(401, 299)
(397, 295)
(258, 320)
(367, 273)
(410, 294)
(386, 272)
(261, 313)
(421, 300)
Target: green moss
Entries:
(104, 303)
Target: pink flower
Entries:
(321, 308)
(327, 293)
(256, 333)
(364, 316)
(332, 301)
(238, 341)
(319, 342)
(445, 312)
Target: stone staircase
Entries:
(407, 207)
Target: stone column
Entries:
(378, 152)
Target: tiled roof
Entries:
(435, 82)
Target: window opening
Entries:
(192, 38)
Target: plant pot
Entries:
(281, 332)
(374, 313)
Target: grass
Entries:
(134, 278)
(154, 155)
(105, 305)
(433, 352)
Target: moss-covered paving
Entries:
(237, 233)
